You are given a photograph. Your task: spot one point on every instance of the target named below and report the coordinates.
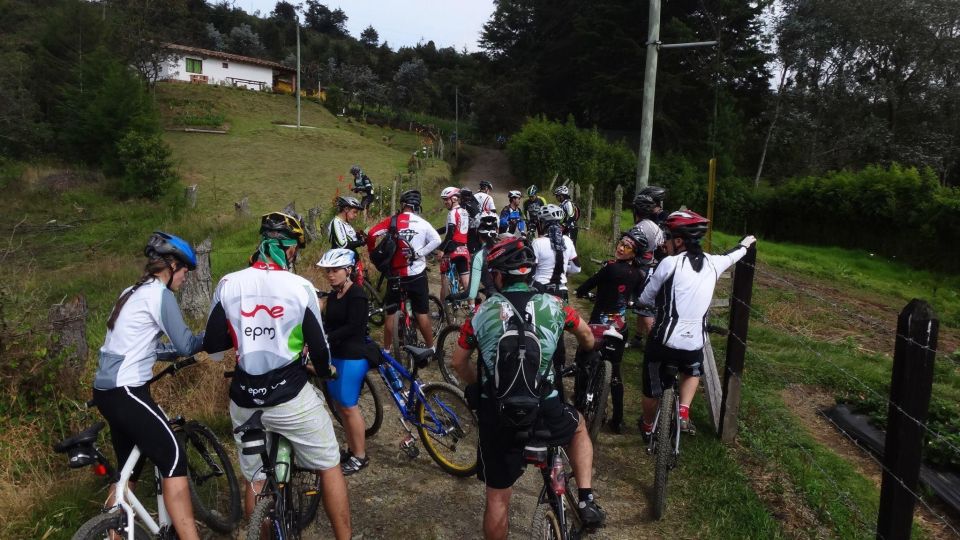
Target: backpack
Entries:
(469, 203)
(515, 382)
(382, 255)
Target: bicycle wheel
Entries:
(546, 525)
(450, 434)
(370, 403)
(598, 392)
(664, 451)
(214, 490)
(101, 526)
(446, 344)
(376, 304)
(266, 523)
(306, 496)
(438, 315)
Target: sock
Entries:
(647, 428)
(685, 412)
(585, 494)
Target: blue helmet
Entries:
(161, 244)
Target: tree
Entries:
(243, 40)
(369, 37)
(320, 18)
(408, 84)
(284, 11)
(215, 39)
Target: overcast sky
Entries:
(449, 23)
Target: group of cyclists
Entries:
(518, 261)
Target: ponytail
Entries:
(152, 267)
(694, 253)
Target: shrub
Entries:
(146, 166)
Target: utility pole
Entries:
(456, 124)
(649, 86)
(298, 72)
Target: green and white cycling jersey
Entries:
(548, 315)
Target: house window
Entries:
(225, 66)
(194, 66)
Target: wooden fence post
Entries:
(312, 216)
(198, 288)
(191, 194)
(589, 206)
(242, 207)
(910, 386)
(737, 344)
(575, 191)
(615, 215)
(68, 323)
(393, 195)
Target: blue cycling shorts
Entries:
(345, 390)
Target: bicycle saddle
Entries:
(421, 356)
(86, 436)
(252, 423)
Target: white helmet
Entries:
(338, 258)
(551, 213)
(449, 192)
(513, 193)
(562, 190)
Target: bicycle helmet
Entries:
(513, 193)
(162, 244)
(348, 202)
(512, 256)
(532, 191)
(643, 204)
(656, 193)
(551, 213)
(280, 225)
(411, 198)
(687, 224)
(639, 240)
(355, 170)
(338, 258)
(562, 190)
(488, 226)
(449, 192)
(485, 184)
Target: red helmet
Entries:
(512, 256)
(687, 224)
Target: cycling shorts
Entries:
(655, 355)
(136, 420)
(304, 421)
(367, 200)
(500, 457)
(417, 291)
(460, 258)
(345, 389)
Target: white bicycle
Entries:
(214, 490)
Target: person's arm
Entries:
(574, 324)
(375, 232)
(592, 281)
(728, 259)
(216, 338)
(172, 324)
(504, 218)
(466, 342)
(573, 267)
(314, 336)
(433, 241)
(476, 273)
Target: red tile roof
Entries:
(227, 56)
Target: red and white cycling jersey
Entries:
(486, 202)
(458, 221)
(417, 239)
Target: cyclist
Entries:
(271, 316)
(362, 185)
(343, 235)
(417, 239)
(659, 196)
(647, 206)
(345, 321)
(570, 212)
(511, 218)
(680, 291)
(501, 462)
(480, 279)
(531, 207)
(143, 313)
(483, 197)
(454, 246)
(555, 252)
(617, 283)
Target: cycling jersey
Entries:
(652, 232)
(268, 315)
(342, 235)
(479, 277)
(362, 184)
(130, 349)
(616, 282)
(486, 202)
(681, 297)
(546, 260)
(532, 206)
(511, 221)
(458, 223)
(417, 240)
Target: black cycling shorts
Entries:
(367, 200)
(136, 420)
(417, 291)
(656, 355)
(500, 457)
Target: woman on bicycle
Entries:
(345, 321)
(143, 313)
(617, 282)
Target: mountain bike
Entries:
(458, 306)
(445, 423)
(664, 441)
(406, 330)
(592, 377)
(288, 502)
(556, 516)
(375, 311)
(370, 404)
(214, 490)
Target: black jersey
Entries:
(616, 283)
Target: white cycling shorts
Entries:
(304, 421)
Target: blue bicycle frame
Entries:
(408, 404)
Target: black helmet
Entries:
(512, 256)
(657, 193)
(639, 240)
(488, 226)
(643, 204)
(348, 202)
(485, 184)
(411, 198)
(280, 225)
(355, 170)
(161, 244)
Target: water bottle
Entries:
(558, 477)
(393, 377)
(283, 460)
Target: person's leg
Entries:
(176, 497)
(250, 495)
(419, 293)
(496, 514)
(390, 298)
(345, 394)
(581, 456)
(335, 502)
(688, 389)
(426, 328)
(355, 430)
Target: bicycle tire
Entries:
(600, 388)
(446, 343)
(438, 314)
(306, 496)
(455, 451)
(376, 303)
(370, 403)
(98, 528)
(214, 490)
(546, 525)
(663, 453)
(262, 526)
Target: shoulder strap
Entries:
(393, 225)
(557, 267)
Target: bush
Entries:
(146, 166)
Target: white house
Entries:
(192, 64)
